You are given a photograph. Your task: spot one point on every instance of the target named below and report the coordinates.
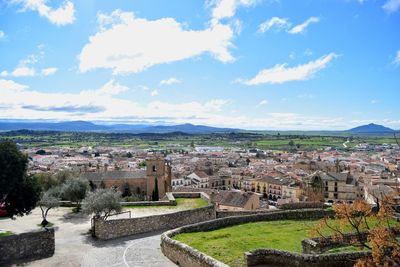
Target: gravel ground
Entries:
(75, 247)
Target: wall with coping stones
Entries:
(320, 245)
(124, 227)
(27, 246)
(188, 256)
(272, 257)
(301, 205)
(225, 213)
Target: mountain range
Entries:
(85, 126)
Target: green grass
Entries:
(345, 249)
(229, 244)
(181, 203)
(7, 233)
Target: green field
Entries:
(7, 233)
(175, 142)
(229, 244)
(181, 204)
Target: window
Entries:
(154, 168)
(335, 196)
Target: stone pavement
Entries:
(75, 247)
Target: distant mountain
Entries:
(371, 128)
(84, 126)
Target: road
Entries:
(75, 247)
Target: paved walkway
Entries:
(75, 247)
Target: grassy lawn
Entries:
(229, 244)
(7, 233)
(181, 204)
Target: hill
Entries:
(372, 129)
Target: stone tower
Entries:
(160, 169)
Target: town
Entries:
(235, 181)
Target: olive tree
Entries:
(74, 190)
(49, 200)
(102, 203)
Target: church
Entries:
(140, 182)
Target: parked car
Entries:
(3, 211)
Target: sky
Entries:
(250, 64)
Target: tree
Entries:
(102, 203)
(46, 180)
(291, 143)
(372, 231)
(50, 199)
(92, 186)
(129, 155)
(155, 196)
(18, 191)
(74, 190)
(41, 152)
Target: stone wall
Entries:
(275, 258)
(124, 227)
(225, 213)
(188, 256)
(301, 205)
(169, 202)
(320, 245)
(27, 246)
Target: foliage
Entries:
(102, 203)
(133, 198)
(46, 180)
(50, 199)
(74, 190)
(381, 236)
(41, 152)
(64, 175)
(19, 192)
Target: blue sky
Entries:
(254, 64)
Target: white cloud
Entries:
(263, 102)
(63, 15)
(216, 104)
(391, 6)
(25, 69)
(301, 27)
(374, 101)
(127, 44)
(276, 22)
(17, 101)
(169, 81)
(11, 85)
(223, 9)
(396, 60)
(49, 71)
(281, 74)
(154, 93)
(2, 35)
(22, 71)
(112, 88)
